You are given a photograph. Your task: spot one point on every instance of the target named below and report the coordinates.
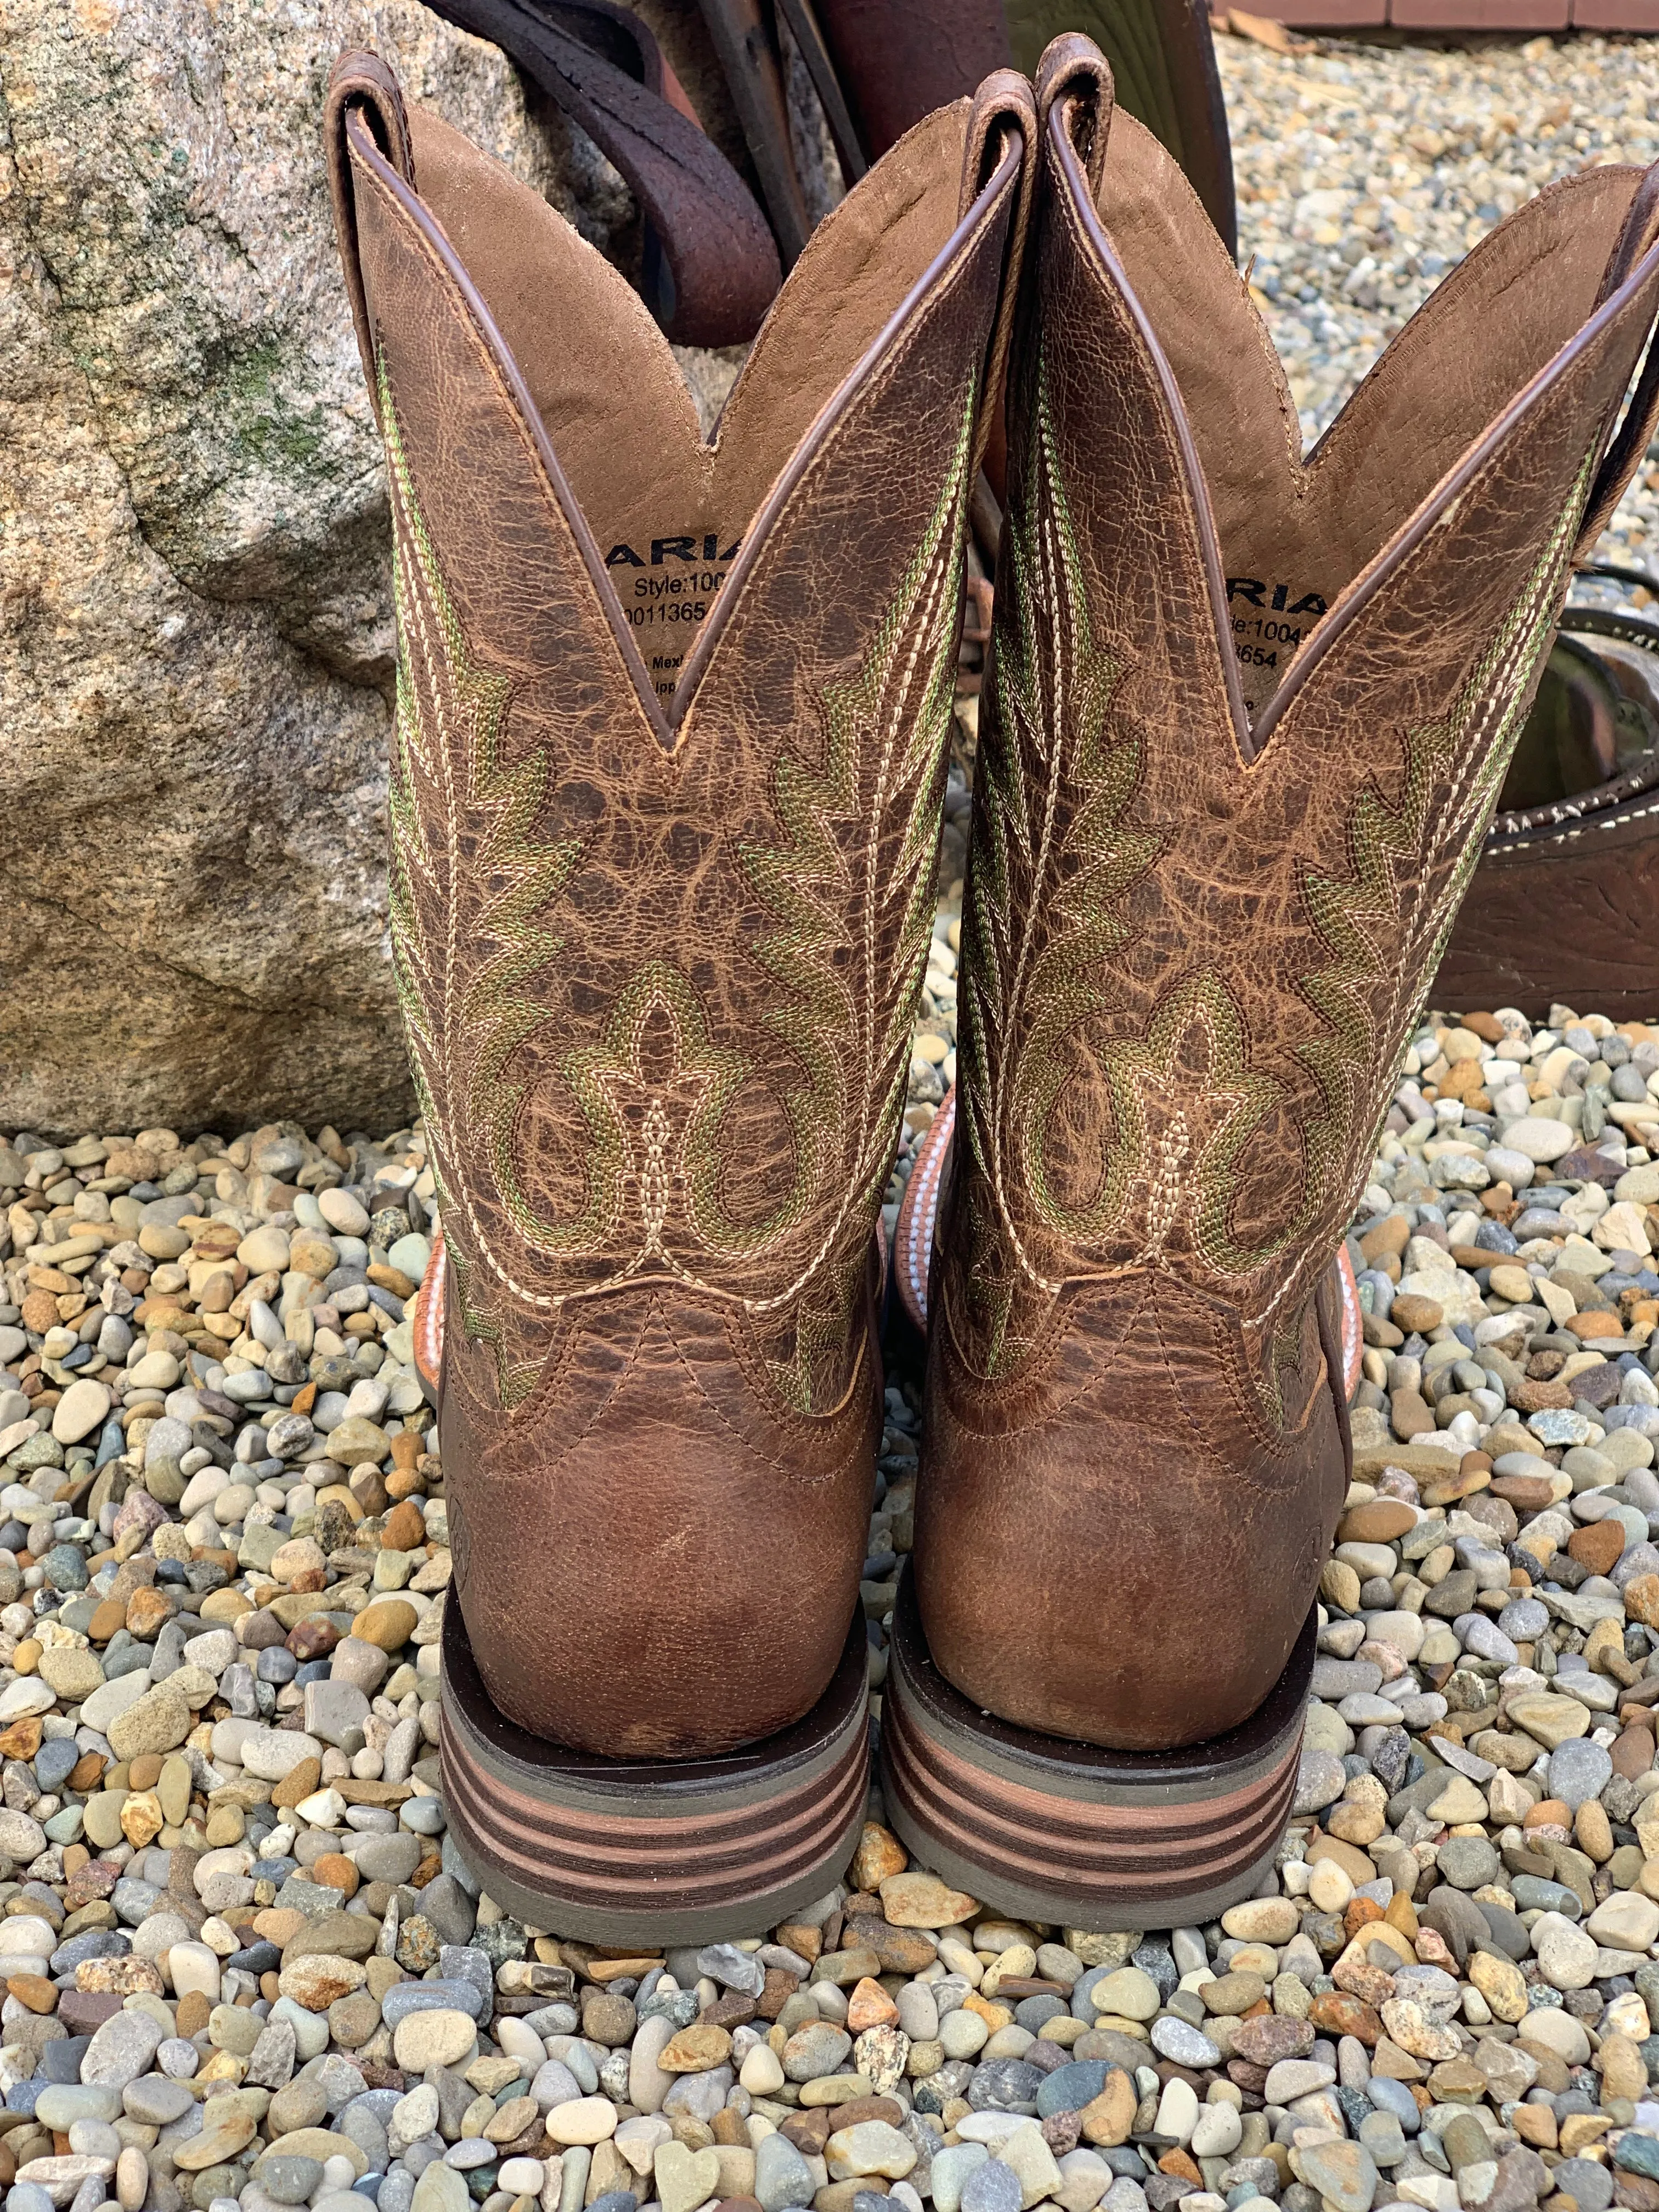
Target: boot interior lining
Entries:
(667, 511)
(1294, 533)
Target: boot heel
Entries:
(655, 1851)
(1072, 1835)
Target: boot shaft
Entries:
(672, 717)
(670, 753)
(1248, 717)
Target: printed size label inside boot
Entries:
(1269, 620)
(667, 587)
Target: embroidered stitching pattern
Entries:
(1176, 1137)
(1049, 735)
(447, 725)
(654, 1149)
(885, 729)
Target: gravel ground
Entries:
(243, 1964)
(1365, 172)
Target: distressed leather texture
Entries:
(659, 940)
(1203, 907)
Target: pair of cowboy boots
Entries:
(670, 741)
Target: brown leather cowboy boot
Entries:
(669, 757)
(1246, 719)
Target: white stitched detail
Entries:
(925, 1216)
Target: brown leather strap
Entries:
(1637, 237)
(1074, 72)
(1003, 115)
(753, 78)
(360, 83)
(808, 34)
(720, 262)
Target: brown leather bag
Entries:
(1564, 908)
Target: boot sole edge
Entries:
(655, 1851)
(1071, 1832)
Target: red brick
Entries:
(1331, 15)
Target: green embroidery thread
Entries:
(886, 728)
(448, 726)
(653, 1137)
(1175, 1148)
(610, 1081)
(1051, 731)
(1360, 917)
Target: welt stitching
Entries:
(764, 1459)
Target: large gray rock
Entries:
(195, 625)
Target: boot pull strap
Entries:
(361, 84)
(1002, 107)
(1637, 236)
(1003, 115)
(1074, 74)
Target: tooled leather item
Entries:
(659, 927)
(1564, 906)
(1205, 897)
(711, 266)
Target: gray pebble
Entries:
(155, 2100)
(1589, 2184)
(732, 1968)
(783, 2177)
(1487, 1639)
(1005, 2085)
(1579, 1770)
(1391, 2096)
(816, 2049)
(1187, 2046)
(1468, 1861)
(993, 2187)
(1071, 2087)
(288, 2179)
(698, 2096)
(1524, 1620)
